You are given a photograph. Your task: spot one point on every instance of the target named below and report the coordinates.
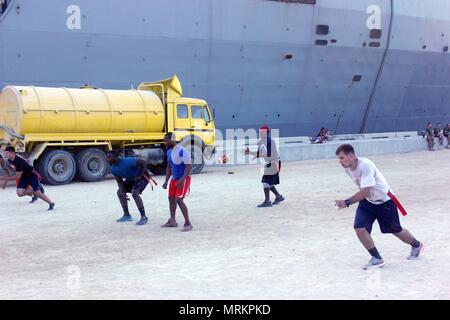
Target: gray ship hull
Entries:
(254, 61)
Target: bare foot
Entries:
(186, 228)
(170, 224)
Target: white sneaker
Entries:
(415, 252)
(374, 263)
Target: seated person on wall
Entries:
(317, 137)
(446, 133)
(325, 136)
(321, 137)
(429, 133)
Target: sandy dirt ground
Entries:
(301, 249)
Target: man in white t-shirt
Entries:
(375, 203)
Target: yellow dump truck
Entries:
(67, 132)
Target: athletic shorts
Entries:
(175, 192)
(138, 184)
(270, 180)
(386, 214)
(31, 179)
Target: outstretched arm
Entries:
(5, 179)
(362, 194)
(261, 153)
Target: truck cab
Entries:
(193, 117)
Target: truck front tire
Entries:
(92, 165)
(57, 167)
(198, 162)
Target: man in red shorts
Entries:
(179, 167)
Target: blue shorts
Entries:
(386, 214)
(29, 180)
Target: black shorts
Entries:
(272, 179)
(386, 214)
(138, 184)
(31, 179)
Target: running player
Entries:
(132, 177)
(179, 167)
(28, 179)
(375, 203)
(9, 174)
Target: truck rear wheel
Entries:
(57, 167)
(92, 165)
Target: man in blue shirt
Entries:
(132, 177)
(179, 167)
